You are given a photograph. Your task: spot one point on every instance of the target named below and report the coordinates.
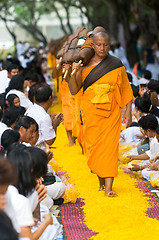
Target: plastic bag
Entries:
(54, 165)
(71, 193)
(154, 179)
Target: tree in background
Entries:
(139, 18)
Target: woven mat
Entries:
(73, 220)
(153, 211)
(72, 217)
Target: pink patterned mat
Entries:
(153, 211)
(73, 220)
(72, 217)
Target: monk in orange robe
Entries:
(106, 89)
(67, 100)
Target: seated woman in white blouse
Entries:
(17, 86)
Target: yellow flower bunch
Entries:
(124, 160)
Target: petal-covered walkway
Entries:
(134, 214)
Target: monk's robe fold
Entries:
(51, 61)
(102, 116)
(66, 107)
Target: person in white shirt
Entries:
(28, 172)
(144, 106)
(3, 127)
(56, 189)
(13, 70)
(26, 126)
(7, 177)
(16, 86)
(47, 124)
(4, 81)
(149, 125)
(146, 77)
(152, 167)
(135, 80)
(10, 116)
(121, 54)
(7, 72)
(6, 228)
(9, 136)
(130, 134)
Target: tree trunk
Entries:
(12, 35)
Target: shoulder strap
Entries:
(106, 65)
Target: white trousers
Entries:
(54, 191)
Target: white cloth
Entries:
(143, 81)
(24, 61)
(33, 200)
(10, 211)
(120, 53)
(27, 144)
(4, 80)
(52, 231)
(154, 148)
(135, 80)
(49, 169)
(24, 101)
(21, 207)
(54, 191)
(3, 127)
(147, 173)
(46, 130)
(154, 67)
(129, 134)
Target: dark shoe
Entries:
(59, 201)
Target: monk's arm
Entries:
(57, 70)
(128, 114)
(75, 82)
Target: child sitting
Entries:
(149, 125)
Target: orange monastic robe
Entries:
(51, 60)
(102, 117)
(66, 107)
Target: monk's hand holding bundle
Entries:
(76, 66)
(58, 63)
(66, 70)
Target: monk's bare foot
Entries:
(81, 148)
(70, 144)
(111, 194)
(71, 139)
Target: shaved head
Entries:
(99, 29)
(101, 34)
(101, 44)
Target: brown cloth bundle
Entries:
(72, 43)
(86, 51)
